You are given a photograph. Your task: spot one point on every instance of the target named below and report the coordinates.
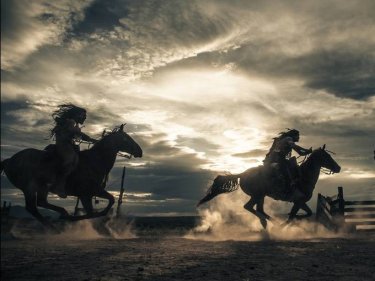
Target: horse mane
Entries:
(106, 133)
(114, 130)
(309, 158)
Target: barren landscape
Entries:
(156, 252)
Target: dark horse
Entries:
(257, 182)
(33, 171)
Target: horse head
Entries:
(325, 159)
(121, 141)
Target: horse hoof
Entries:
(264, 223)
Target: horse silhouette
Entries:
(34, 171)
(258, 183)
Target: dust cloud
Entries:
(224, 218)
(114, 227)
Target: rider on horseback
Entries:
(280, 154)
(66, 130)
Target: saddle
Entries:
(51, 151)
(284, 188)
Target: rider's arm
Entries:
(300, 150)
(87, 138)
(74, 128)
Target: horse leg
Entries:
(42, 202)
(111, 200)
(306, 209)
(30, 205)
(87, 205)
(250, 207)
(293, 213)
(260, 209)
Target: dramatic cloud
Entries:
(204, 86)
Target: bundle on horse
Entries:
(259, 182)
(34, 171)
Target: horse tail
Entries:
(221, 184)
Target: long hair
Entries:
(289, 133)
(64, 112)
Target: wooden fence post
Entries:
(340, 218)
(340, 197)
(318, 207)
(118, 213)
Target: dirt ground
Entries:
(160, 257)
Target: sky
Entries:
(203, 86)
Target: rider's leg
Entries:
(69, 161)
(293, 172)
(290, 184)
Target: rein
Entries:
(322, 169)
(125, 155)
(121, 154)
(326, 171)
(303, 160)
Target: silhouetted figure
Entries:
(257, 182)
(32, 171)
(279, 156)
(66, 131)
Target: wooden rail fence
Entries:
(338, 214)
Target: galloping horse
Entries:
(257, 183)
(33, 171)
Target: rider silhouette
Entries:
(66, 130)
(281, 151)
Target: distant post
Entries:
(118, 213)
(340, 219)
(340, 197)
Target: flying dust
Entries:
(112, 226)
(224, 218)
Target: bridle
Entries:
(125, 155)
(326, 170)
(322, 169)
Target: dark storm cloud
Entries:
(9, 18)
(344, 73)
(341, 72)
(101, 15)
(88, 54)
(28, 25)
(168, 173)
(325, 44)
(8, 107)
(165, 183)
(12, 113)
